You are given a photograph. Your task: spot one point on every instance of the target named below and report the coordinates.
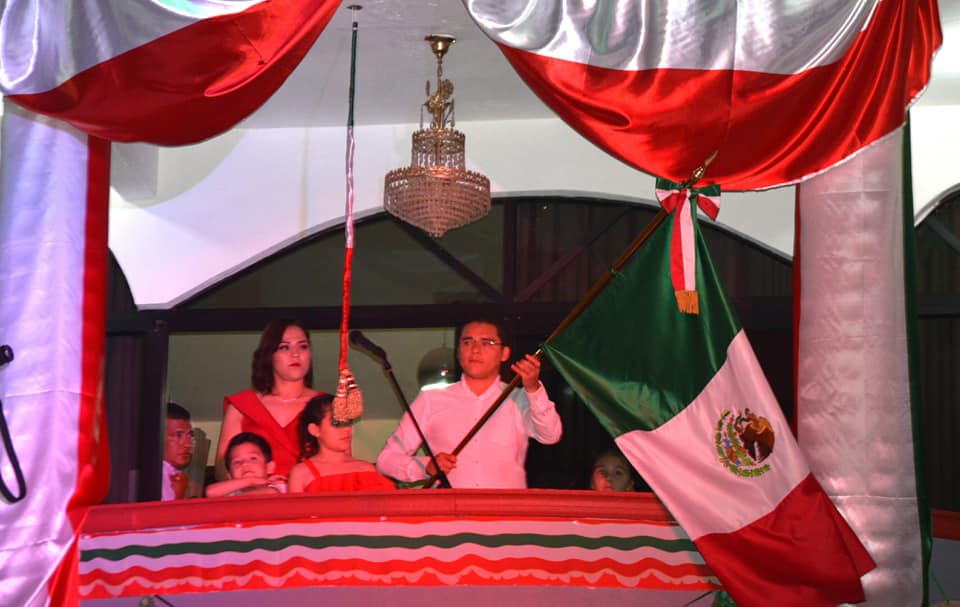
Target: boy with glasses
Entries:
(494, 457)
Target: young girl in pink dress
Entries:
(327, 464)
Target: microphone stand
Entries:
(440, 475)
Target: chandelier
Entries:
(436, 193)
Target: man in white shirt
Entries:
(177, 451)
(494, 457)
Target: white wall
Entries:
(184, 218)
(219, 206)
(935, 134)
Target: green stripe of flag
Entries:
(389, 541)
(627, 354)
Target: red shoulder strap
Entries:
(313, 469)
(250, 405)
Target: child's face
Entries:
(330, 437)
(611, 473)
(247, 461)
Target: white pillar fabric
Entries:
(853, 385)
(43, 193)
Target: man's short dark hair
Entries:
(496, 322)
(175, 411)
(252, 438)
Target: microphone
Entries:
(359, 340)
(6, 354)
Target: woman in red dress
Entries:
(327, 461)
(282, 376)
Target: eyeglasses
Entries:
(483, 342)
(179, 435)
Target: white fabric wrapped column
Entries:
(52, 290)
(853, 393)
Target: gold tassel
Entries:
(688, 302)
(348, 401)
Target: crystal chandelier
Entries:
(436, 193)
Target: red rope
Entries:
(345, 314)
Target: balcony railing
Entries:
(462, 547)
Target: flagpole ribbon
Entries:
(674, 197)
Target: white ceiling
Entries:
(394, 62)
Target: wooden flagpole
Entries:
(577, 310)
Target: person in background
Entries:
(281, 376)
(327, 461)
(495, 457)
(250, 466)
(612, 472)
(177, 451)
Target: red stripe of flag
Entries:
(828, 554)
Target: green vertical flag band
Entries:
(627, 355)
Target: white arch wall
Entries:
(183, 218)
(935, 138)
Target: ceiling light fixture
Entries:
(436, 193)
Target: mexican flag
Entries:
(689, 405)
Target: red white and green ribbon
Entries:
(683, 255)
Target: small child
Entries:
(250, 466)
(612, 472)
(326, 461)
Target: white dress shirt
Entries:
(494, 457)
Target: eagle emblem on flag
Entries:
(744, 441)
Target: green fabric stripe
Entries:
(632, 356)
(910, 292)
(389, 541)
(709, 190)
(712, 191)
(666, 184)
